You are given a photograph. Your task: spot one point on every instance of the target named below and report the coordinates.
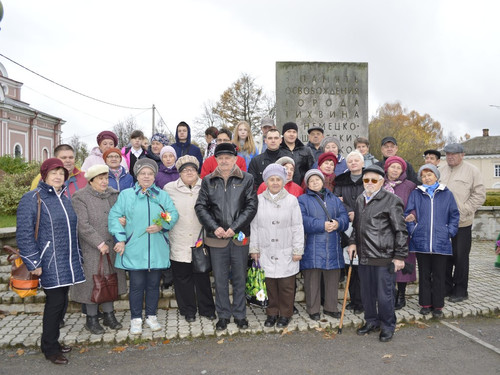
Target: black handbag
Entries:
(201, 255)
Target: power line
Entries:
(69, 89)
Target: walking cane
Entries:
(345, 296)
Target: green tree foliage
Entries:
(11, 164)
(414, 132)
(14, 185)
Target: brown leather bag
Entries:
(105, 285)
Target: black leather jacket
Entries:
(303, 157)
(260, 162)
(379, 229)
(227, 205)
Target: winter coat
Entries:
(166, 175)
(302, 156)
(151, 155)
(315, 151)
(261, 161)
(227, 204)
(323, 250)
(349, 190)
(436, 220)
(187, 148)
(143, 251)
(278, 234)
(379, 229)
(75, 182)
(185, 233)
(210, 164)
(124, 180)
(92, 209)
(56, 250)
(290, 186)
(403, 189)
(95, 158)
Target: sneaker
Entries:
(152, 322)
(136, 326)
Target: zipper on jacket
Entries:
(149, 235)
(70, 242)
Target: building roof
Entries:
(485, 145)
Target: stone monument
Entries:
(331, 95)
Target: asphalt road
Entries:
(419, 348)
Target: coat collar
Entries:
(236, 172)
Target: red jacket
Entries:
(291, 187)
(210, 164)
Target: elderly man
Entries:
(316, 135)
(269, 156)
(432, 157)
(226, 205)
(266, 124)
(465, 182)
(379, 239)
(389, 147)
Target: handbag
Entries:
(201, 255)
(105, 285)
(255, 288)
(22, 281)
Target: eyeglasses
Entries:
(373, 180)
(113, 157)
(222, 140)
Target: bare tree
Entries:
(81, 149)
(123, 129)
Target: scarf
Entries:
(431, 189)
(390, 185)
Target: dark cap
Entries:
(316, 128)
(290, 126)
(433, 152)
(225, 148)
(388, 139)
(375, 169)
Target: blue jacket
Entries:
(186, 148)
(56, 250)
(124, 181)
(322, 249)
(437, 220)
(143, 251)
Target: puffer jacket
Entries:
(322, 250)
(436, 220)
(278, 234)
(166, 175)
(124, 180)
(56, 251)
(379, 229)
(231, 204)
(302, 156)
(143, 251)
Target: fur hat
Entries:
(96, 170)
(187, 161)
(225, 148)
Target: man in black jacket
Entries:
(379, 239)
(269, 156)
(293, 147)
(226, 205)
(389, 147)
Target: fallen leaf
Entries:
(153, 343)
(319, 329)
(229, 339)
(400, 325)
(166, 342)
(13, 313)
(83, 350)
(2, 316)
(285, 332)
(20, 352)
(142, 347)
(387, 356)
(119, 349)
(221, 341)
(430, 337)
(403, 355)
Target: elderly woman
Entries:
(324, 218)
(53, 252)
(143, 246)
(167, 171)
(290, 186)
(278, 241)
(118, 177)
(348, 187)
(105, 140)
(193, 291)
(431, 228)
(326, 164)
(332, 144)
(158, 141)
(397, 183)
(92, 205)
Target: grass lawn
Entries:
(7, 221)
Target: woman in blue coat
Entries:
(55, 255)
(323, 253)
(143, 246)
(431, 228)
(119, 178)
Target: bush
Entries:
(11, 164)
(492, 198)
(13, 187)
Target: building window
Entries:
(45, 154)
(497, 170)
(18, 151)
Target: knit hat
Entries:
(187, 161)
(313, 172)
(430, 167)
(285, 160)
(225, 148)
(327, 140)
(109, 151)
(96, 170)
(316, 128)
(374, 168)
(162, 138)
(327, 156)
(274, 170)
(168, 149)
(145, 163)
(395, 159)
(106, 134)
(50, 164)
(388, 139)
(267, 121)
(290, 126)
(454, 148)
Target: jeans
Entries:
(144, 282)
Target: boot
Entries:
(110, 321)
(400, 298)
(93, 325)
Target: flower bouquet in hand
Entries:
(163, 217)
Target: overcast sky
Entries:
(435, 57)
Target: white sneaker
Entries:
(136, 326)
(152, 322)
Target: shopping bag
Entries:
(255, 290)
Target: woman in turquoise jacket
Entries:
(142, 245)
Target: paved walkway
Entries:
(484, 298)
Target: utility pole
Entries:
(153, 127)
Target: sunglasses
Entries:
(373, 180)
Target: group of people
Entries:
(300, 207)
